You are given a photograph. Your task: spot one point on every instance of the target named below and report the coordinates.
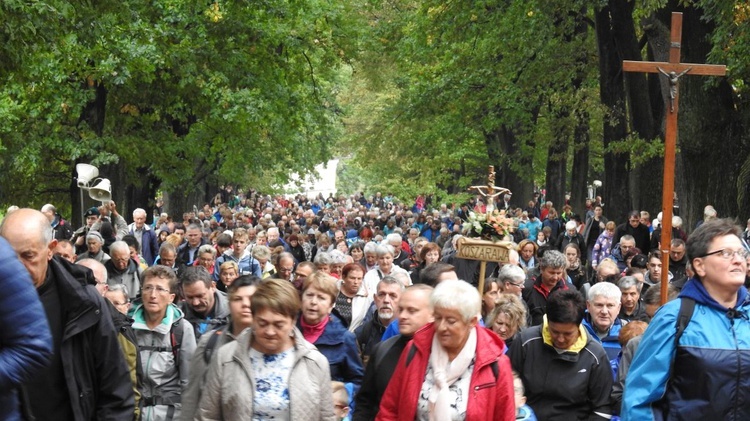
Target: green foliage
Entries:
(188, 92)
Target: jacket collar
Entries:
(694, 289)
(489, 346)
(576, 348)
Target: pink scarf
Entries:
(313, 332)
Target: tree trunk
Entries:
(557, 155)
(615, 189)
(503, 150)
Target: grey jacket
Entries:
(131, 277)
(163, 379)
(229, 388)
(199, 370)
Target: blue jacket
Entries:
(25, 339)
(711, 375)
(611, 342)
(340, 348)
(149, 245)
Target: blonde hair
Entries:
(323, 282)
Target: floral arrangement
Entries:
(493, 226)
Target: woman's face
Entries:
(272, 332)
(527, 252)
(207, 261)
(503, 327)
(316, 305)
(356, 254)
(239, 306)
(571, 255)
(489, 297)
(261, 239)
(341, 246)
(431, 257)
(540, 236)
(385, 262)
(718, 273)
(352, 282)
(227, 276)
(451, 330)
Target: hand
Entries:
(112, 206)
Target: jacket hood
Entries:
(172, 315)
(694, 289)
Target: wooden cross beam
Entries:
(673, 70)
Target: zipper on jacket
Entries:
(739, 367)
(483, 386)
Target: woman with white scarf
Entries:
(453, 369)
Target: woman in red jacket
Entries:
(453, 368)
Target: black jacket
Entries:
(640, 233)
(536, 297)
(96, 375)
(378, 373)
(183, 253)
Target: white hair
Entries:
(607, 290)
(119, 246)
(139, 211)
(384, 249)
(394, 238)
(457, 295)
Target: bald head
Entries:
(100, 273)
(29, 233)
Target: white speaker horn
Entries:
(102, 191)
(86, 173)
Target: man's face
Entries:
(285, 268)
(65, 250)
(273, 235)
(371, 258)
(396, 247)
(564, 335)
(630, 298)
(654, 268)
(302, 272)
(194, 237)
(29, 245)
(120, 259)
(251, 235)
(139, 219)
(603, 312)
(676, 253)
(551, 276)
(386, 300)
(180, 232)
(167, 258)
(90, 220)
(626, 246)
(413, 311)
(634, 221)
(413, 236)
(198, 297)
(339, 235)
(94, 245)
(240, 244)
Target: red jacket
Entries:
(491, 396)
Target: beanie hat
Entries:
(95, 235)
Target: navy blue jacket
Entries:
(340, 348)
(711, 364)
(25, 339)
(149, 245)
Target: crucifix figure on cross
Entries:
(674, 70)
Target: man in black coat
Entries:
(414, 311)
(87, 378)
(636, 229)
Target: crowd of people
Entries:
(260, 307)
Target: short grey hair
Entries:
(457, 295)
(261, 252)
(119, 246)
(553, 259)
(370, 247)
(323, 258)
(384, 249)
(337, 257)
(138, 211)
(120, 287)
(207, 248)
(627, 282)
(389, 280)
(510, 273)
(606, 290)
(627, 237)
(394, 238)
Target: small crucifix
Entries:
(673, 70)
(490, 191)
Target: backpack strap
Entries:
(410, 355)
(175, 336)
(687, 307)
(212, 341)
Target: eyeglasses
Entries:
(517, 285)
(150, 289)
(728, 254)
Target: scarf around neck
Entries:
(313, 332)
(446, 373)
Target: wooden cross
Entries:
(673, 70)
